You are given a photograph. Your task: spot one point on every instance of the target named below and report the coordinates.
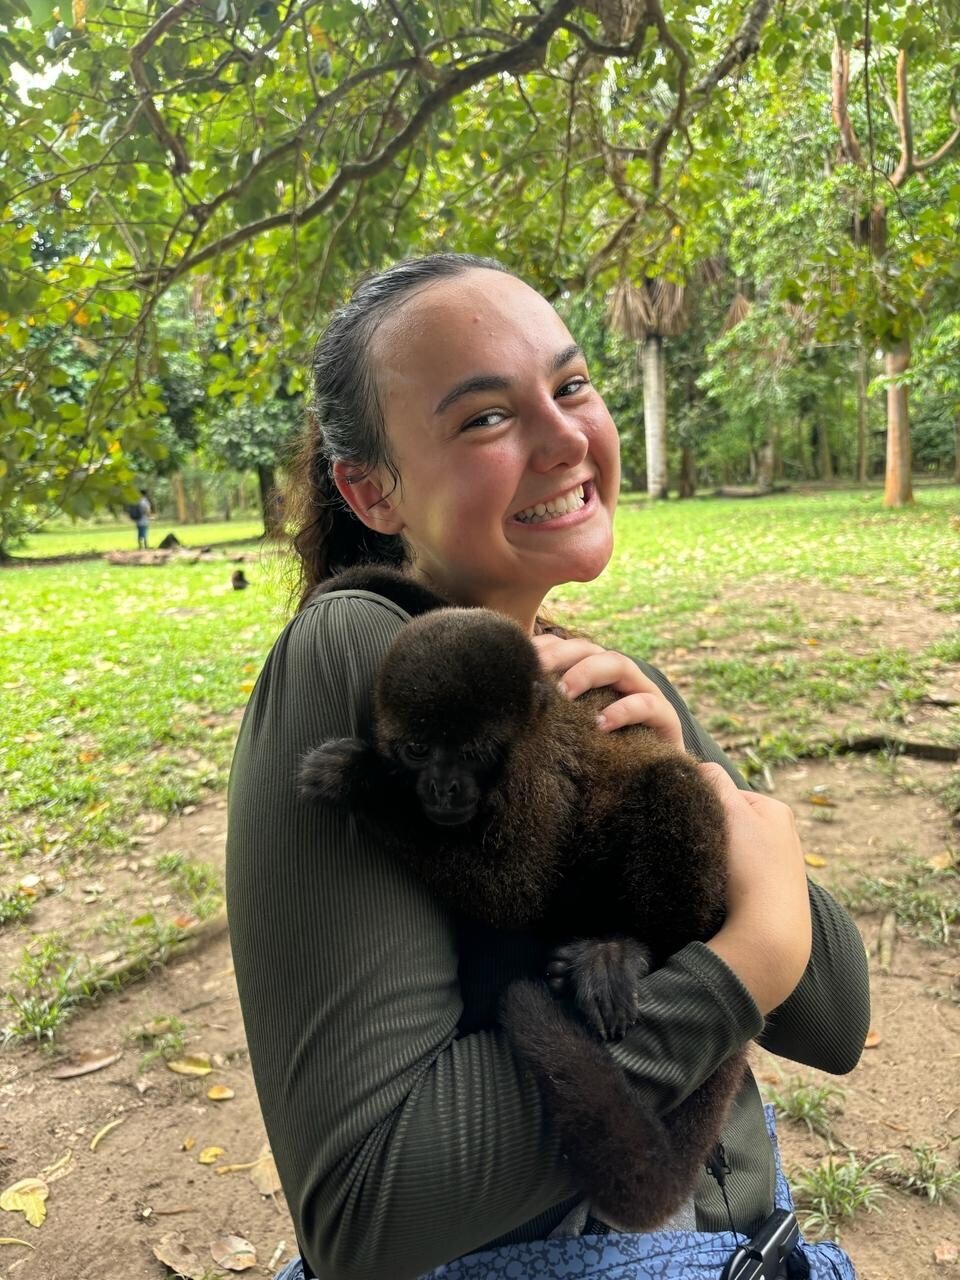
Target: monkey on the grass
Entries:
(504, 797)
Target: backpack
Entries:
(134, 510)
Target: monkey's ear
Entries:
(367, 497)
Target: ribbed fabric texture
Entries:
(404, 1131)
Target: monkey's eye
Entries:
(413, 752)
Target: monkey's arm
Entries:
(348, 772)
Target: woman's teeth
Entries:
(561, 506)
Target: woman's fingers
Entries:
(583, 665)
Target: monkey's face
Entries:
(450, 780)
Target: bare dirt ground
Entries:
(117, 1193)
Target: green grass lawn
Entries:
(121, 686)
(121, 535)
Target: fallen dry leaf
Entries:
(873, 1039)
(59, 1169)
(188, 1144)
(823, 801)
(16, 1240)
(27, 1197)
(83, 1063)
(194, 1064)
(210, 1155)
(173, 1251)
(946, 1251)
(156, 1027)
(234, 1253)
(220, 1093)
(814, 860)
(941, 861)
(264, 1175)
(95, 1140)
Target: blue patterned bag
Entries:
(657, 1255)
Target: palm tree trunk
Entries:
(898, 491)
(655, 414)
(861, 475)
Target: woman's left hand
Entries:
(583, 665)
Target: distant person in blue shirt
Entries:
(140, 512)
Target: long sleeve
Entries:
(824, 1022)
(404, 1130)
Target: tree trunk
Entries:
(199, 500)
(803, 448)
(898, 491)
(687, 487)
(179, 497)
(269, 499)
(861, 472)
(655, 415)
(766, 459)
(824, 460)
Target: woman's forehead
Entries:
(469, 320)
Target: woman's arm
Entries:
(824, 1021)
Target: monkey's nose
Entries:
(444, 791)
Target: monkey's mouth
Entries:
(451, 817)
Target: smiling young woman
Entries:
(455, 433)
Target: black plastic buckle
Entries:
(763, 1257)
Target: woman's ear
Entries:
(363, 493)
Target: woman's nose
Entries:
(559, 437)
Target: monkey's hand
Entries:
(600, 977)
(334, 770)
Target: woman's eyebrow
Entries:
(495, 382)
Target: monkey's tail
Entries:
(636, 1169)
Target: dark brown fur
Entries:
(578, 835)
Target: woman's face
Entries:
(491, 417)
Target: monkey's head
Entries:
(457, 689)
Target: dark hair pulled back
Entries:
(345, 423)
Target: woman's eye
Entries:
(488, 419)
(573, 386)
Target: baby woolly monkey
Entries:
(503, 796)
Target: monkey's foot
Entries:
(600, 976)
(621, 1153)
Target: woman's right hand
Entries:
(766, 937)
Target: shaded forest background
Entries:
(748, 214)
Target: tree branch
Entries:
(840, 80)
(520, 57)
(741, 48)
(905, 166)
(181, 161)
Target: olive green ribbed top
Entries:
(404, 1131)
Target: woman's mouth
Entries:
(567, 504)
